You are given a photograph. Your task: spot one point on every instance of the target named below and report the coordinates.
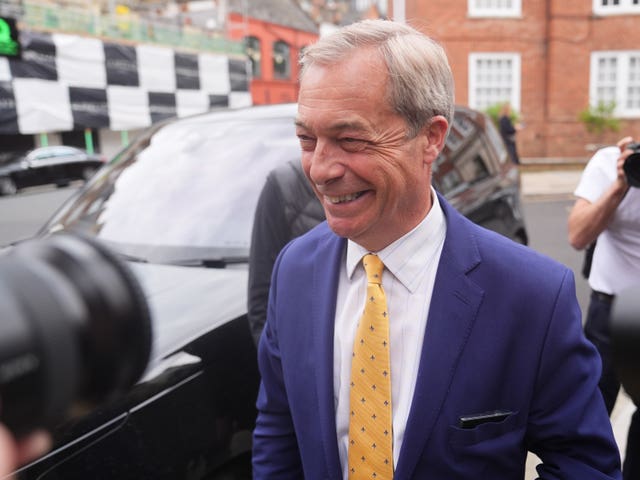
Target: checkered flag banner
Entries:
(66, 82)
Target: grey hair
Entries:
(420, 79)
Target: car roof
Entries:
(54, 148)
(257, 112)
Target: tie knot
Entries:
(374, 267)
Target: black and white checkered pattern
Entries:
(66, 82)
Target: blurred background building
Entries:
(571, 70)
(92, 74)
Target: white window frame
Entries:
(476, 9)
(624, 7)
(621, 80)
(516, 74)
(362, 5)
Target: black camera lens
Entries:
(631, 166)
(625, 337)
(75, 329)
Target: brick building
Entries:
(274, 32)
(549, 58)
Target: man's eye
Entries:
(308, 144)
(353, 144)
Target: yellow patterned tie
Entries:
(370, 428)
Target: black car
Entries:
(57, 164)
(178, 206)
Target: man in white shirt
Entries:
(608, 210)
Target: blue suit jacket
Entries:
(504, 333)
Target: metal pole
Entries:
(88, 140)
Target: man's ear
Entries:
(436, 132)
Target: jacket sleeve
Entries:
(275, 449)
(271, 231)
(506, 126)
(569, 429)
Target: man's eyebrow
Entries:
(338, 126)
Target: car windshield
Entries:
(52, 152)
(185, 193)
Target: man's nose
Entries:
(326, 163)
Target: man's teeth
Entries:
(343, 198)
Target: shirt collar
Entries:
(409, 256)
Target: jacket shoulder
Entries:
(489, 256)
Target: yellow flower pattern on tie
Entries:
(370, 427)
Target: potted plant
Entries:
(599, 119)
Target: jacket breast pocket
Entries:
(483, 431)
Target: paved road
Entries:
(23, 214)
(556, 183)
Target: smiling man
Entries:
(403, 341)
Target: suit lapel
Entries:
(325, 280)
(455, 302)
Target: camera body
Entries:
(631, 165)
(75, 330)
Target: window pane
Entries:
(252, 48)
(606, 79)
(494, 80)
(494, 7)
(616, 7)
(281, 60)
(633, 88)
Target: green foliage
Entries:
(494, 113)
(600, 118)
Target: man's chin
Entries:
(347, 229)
(341, 227)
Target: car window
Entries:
(475, 169)
(65, 152)
(454, 168)
(468, 159)
(496, 142)
(448, 181)
(189, 192)
(462, 129)
(41, 154)
(47, 153)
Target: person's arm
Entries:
(15, 452)
(270, 233)
(588, 219)
(568, 426)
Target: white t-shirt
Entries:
(616, 259)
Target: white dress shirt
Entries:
(410, 263)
